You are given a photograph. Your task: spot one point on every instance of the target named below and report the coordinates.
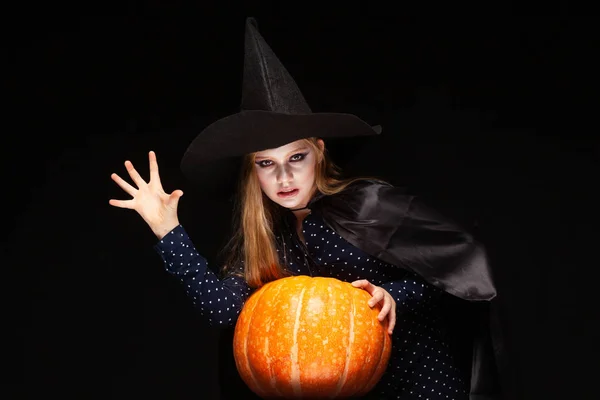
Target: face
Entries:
(287, 173)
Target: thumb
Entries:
(174, 198)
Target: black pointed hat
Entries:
(273, 113)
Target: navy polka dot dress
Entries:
(421, 365)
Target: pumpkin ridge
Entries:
(273, 376)
(245, 336)
(344, 376)
(383, 360)
(369, 347)
(374, 372)
(295, 375)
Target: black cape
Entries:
(385, 222)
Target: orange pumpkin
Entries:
(304, 337)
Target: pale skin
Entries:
(289, 167)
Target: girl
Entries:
(295, 215)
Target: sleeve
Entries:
(219, 301)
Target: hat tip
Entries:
(251, 22)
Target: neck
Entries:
(300, 213)
(298, 209)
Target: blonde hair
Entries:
(253, 242)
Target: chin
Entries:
(294, 206)
(290, 203)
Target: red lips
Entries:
(287, 193)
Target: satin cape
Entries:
(385, 222)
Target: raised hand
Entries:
(157, 208)
(380, 295)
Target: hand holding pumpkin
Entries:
(380, 295)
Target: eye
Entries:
(264, 163)
(298, 157)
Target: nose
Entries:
(284, 175)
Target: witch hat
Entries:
(273, 113)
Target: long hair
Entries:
(253, 244)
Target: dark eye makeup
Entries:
(295, 158)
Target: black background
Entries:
(491, 119)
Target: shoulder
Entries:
(377, 200)
(374, 190)
(364, 199)
(364, 183)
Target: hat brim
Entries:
(213, 158)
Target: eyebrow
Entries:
(291, 152)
